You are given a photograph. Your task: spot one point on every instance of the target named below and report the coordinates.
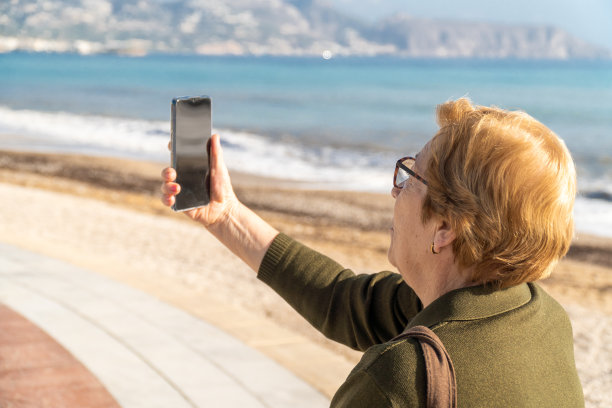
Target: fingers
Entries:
(213, 152)
(170, 145)
(218, 179)
(170, 188)
(217, 164)
(168, 174)
(219, 176)
(168, 200)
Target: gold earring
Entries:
(433, 251)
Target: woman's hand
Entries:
(236, 226)
(222, 198)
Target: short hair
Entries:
(506, 184)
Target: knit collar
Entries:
(476, 302)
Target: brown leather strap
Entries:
(441, 382)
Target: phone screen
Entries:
(191, 129)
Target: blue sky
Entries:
(590, 20)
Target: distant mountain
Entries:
(264, 27)
(436, 38)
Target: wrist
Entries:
(244, 233)
(227, 218)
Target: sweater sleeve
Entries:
(356, 310)
(360, 391)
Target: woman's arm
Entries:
(358, 311)
(231, 222)
(355, 310)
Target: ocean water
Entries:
(338, 123)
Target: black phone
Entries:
(190, 131)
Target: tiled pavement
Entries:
(127, 346)
(35, 371)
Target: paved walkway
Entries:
(144, 352)
(36, 371)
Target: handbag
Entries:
(441, 381)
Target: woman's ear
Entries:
(444, 235)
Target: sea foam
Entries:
(83, 132)
(318, 166)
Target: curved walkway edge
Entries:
(145, 352)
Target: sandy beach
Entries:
(104, 214)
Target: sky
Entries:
(589, 20)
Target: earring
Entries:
(433, 251)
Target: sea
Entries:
(335, 123)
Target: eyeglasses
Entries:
(403, 171)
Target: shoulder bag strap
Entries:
(441, 382)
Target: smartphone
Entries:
(190, 131)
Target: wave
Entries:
(319, 166)
(593, 216)
(598, 195)
(73, 132)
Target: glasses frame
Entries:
(400, 164)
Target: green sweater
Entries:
(510, 348)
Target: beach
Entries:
(104, 214)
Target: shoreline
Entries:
(275, 195)
(349, 226)
(104, 214)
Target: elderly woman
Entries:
(483, 211)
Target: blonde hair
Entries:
(506, 183)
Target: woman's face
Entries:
(410, 239)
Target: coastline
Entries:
(104, 214)
(350, 226)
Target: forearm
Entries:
(355, 310)
(245, 233)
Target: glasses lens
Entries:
(401, 177)
(408, 163)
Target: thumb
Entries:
(219, 175)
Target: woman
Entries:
(484, 210)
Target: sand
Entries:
(104, 214)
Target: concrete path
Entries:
(36, 371)
(146, 353)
